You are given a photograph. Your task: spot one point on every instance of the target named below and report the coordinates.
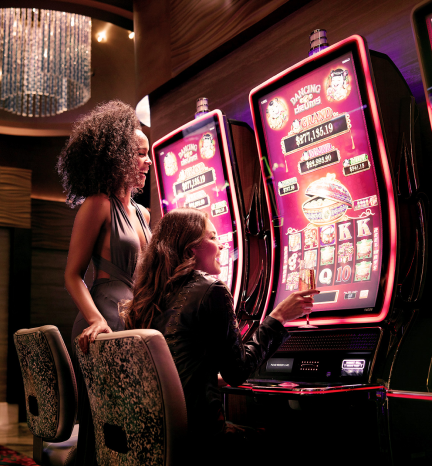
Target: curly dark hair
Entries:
(99, 156)
(166, 264)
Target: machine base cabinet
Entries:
(343, 429)
(339, 425)
(410, 430)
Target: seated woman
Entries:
(176, 293)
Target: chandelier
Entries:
(45, 60)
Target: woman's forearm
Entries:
(82, 298)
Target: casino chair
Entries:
(51, 394)
(136, 398)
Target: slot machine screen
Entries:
(193, 169)
(325, 183)
(421, 19)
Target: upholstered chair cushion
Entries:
(136, 398)
(49, 382)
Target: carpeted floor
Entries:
(9, 457)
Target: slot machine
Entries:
(196, 165)
(336, 138)
(421, 20)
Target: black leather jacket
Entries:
(202, 333)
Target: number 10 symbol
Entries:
(343, 273)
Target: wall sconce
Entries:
(101, 36)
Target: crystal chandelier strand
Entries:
(45, 61)
(51, 58)
(1, 47)
(13, 53)
(34, 62)
(38, 83)
(6, 62)
(19, 39)
(62, 79)
(27, 59)
(57, 63)
(44, 101)
(72, 81)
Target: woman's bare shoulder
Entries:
(97, 199)
(96, 206)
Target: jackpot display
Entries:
(193, 169)
(322, 181)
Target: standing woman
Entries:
(102, 165)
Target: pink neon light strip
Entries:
(272, 255)
(410, 395)
(237, 216)
(360, 44)
(312, 392)
(389, 393)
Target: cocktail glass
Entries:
(306, 282)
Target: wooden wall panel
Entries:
(152, 45)
(18, 309)
(52, 224)
(38, 154)
(200, 26)
(171, 36)
(15, 189)
(50, 302)
(4, 302)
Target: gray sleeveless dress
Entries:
(125, 247)
(106, 294)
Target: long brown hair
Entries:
(166, 263)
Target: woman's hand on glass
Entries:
(89, 334)
(298, 304)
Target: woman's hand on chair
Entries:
(89, 334)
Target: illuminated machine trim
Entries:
(235, 205)
(423, 42)
(389, 207)
(409, 395)
(338, 389)
(314, 390)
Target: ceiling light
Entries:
(45, 60)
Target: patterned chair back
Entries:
(136, 398)
(50, 390)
